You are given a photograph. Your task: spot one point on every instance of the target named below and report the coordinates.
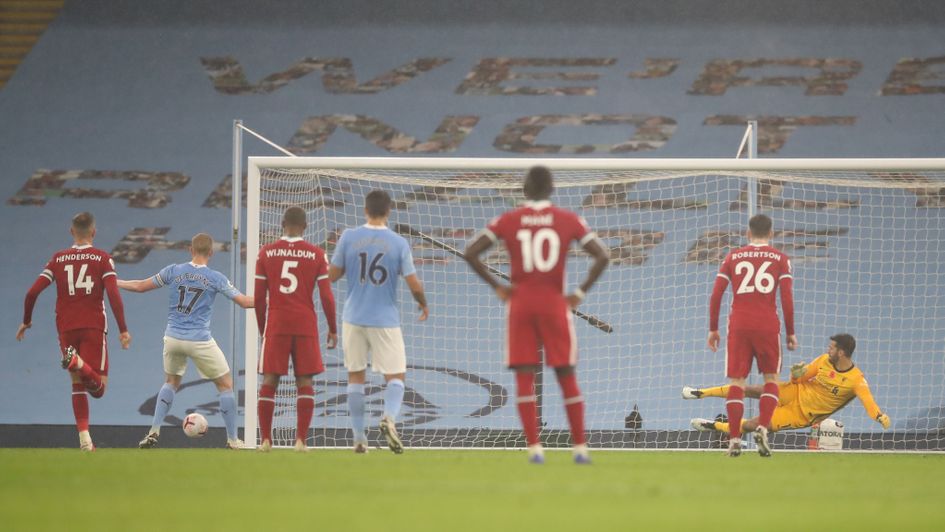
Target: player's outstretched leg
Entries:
(228, 410)
(165, 399)
(702, 424)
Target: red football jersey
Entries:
(537, 237)
(755, 273)
(79, 273)
(290, 267)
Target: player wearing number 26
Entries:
(83, 275)
(287, 271)
(538, 236)
(756, 272)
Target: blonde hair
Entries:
(201, 244)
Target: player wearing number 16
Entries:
(538, 236)
(83, 275)
(756, 272)
(287, 271)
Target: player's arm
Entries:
(863, 393)
(118, 308)
(601, 255)
(336, 268)
(715, 307)
(472, 254)
(327, 298)
(139, 285)
(801, 372)
(244, 300)
(416, 290)
(44, 280)
(786, 284)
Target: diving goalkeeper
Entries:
(816, 391)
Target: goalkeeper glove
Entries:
(798, 370)
(883, 420)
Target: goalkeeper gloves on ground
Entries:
(798, 370)
(883, 420)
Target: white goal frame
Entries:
(701, 166)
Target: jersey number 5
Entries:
(289, 276)
(533, 247)
(81, 281)
(762, 281)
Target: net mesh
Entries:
(866, 248)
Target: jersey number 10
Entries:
(533, 249)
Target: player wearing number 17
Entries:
(756, 272)
(537, 236)
(287, 271)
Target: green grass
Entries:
(165, 489)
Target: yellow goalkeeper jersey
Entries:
(823, 389)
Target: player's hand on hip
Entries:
(713, 340)
(21, 332)
(332, 341)
(424, 313)
(798, 370)
(574, 300)
(125, 339)
(791, 342)
(504, 292)
(883, 420)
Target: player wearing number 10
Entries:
(83, 274)
(287, 271)
(756, 271)
(537, 236)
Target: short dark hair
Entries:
(760, 226)
(83, 223)
(202, 244)
(295, 216)
(377, 203)
(845, 342)
(538, 183)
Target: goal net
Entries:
(866, 238)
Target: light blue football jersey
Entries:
(373, 258)
(190, 303)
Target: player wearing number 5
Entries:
(287, 271)
(83, 274)
(538, 236)
(371, 258)
(756, 272)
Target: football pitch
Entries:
(181, 489)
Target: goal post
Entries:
(866, 238)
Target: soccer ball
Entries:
(195, 425)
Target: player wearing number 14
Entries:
(755, 271)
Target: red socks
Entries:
(574, 405)
(735, 407)
(91, 380)
(266, 406)
(767, 404)
(527, 405)
(80, 407)
(304, 406)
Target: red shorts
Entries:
(743, 345)
(540, 321)
(91, 346)
(278, 348)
